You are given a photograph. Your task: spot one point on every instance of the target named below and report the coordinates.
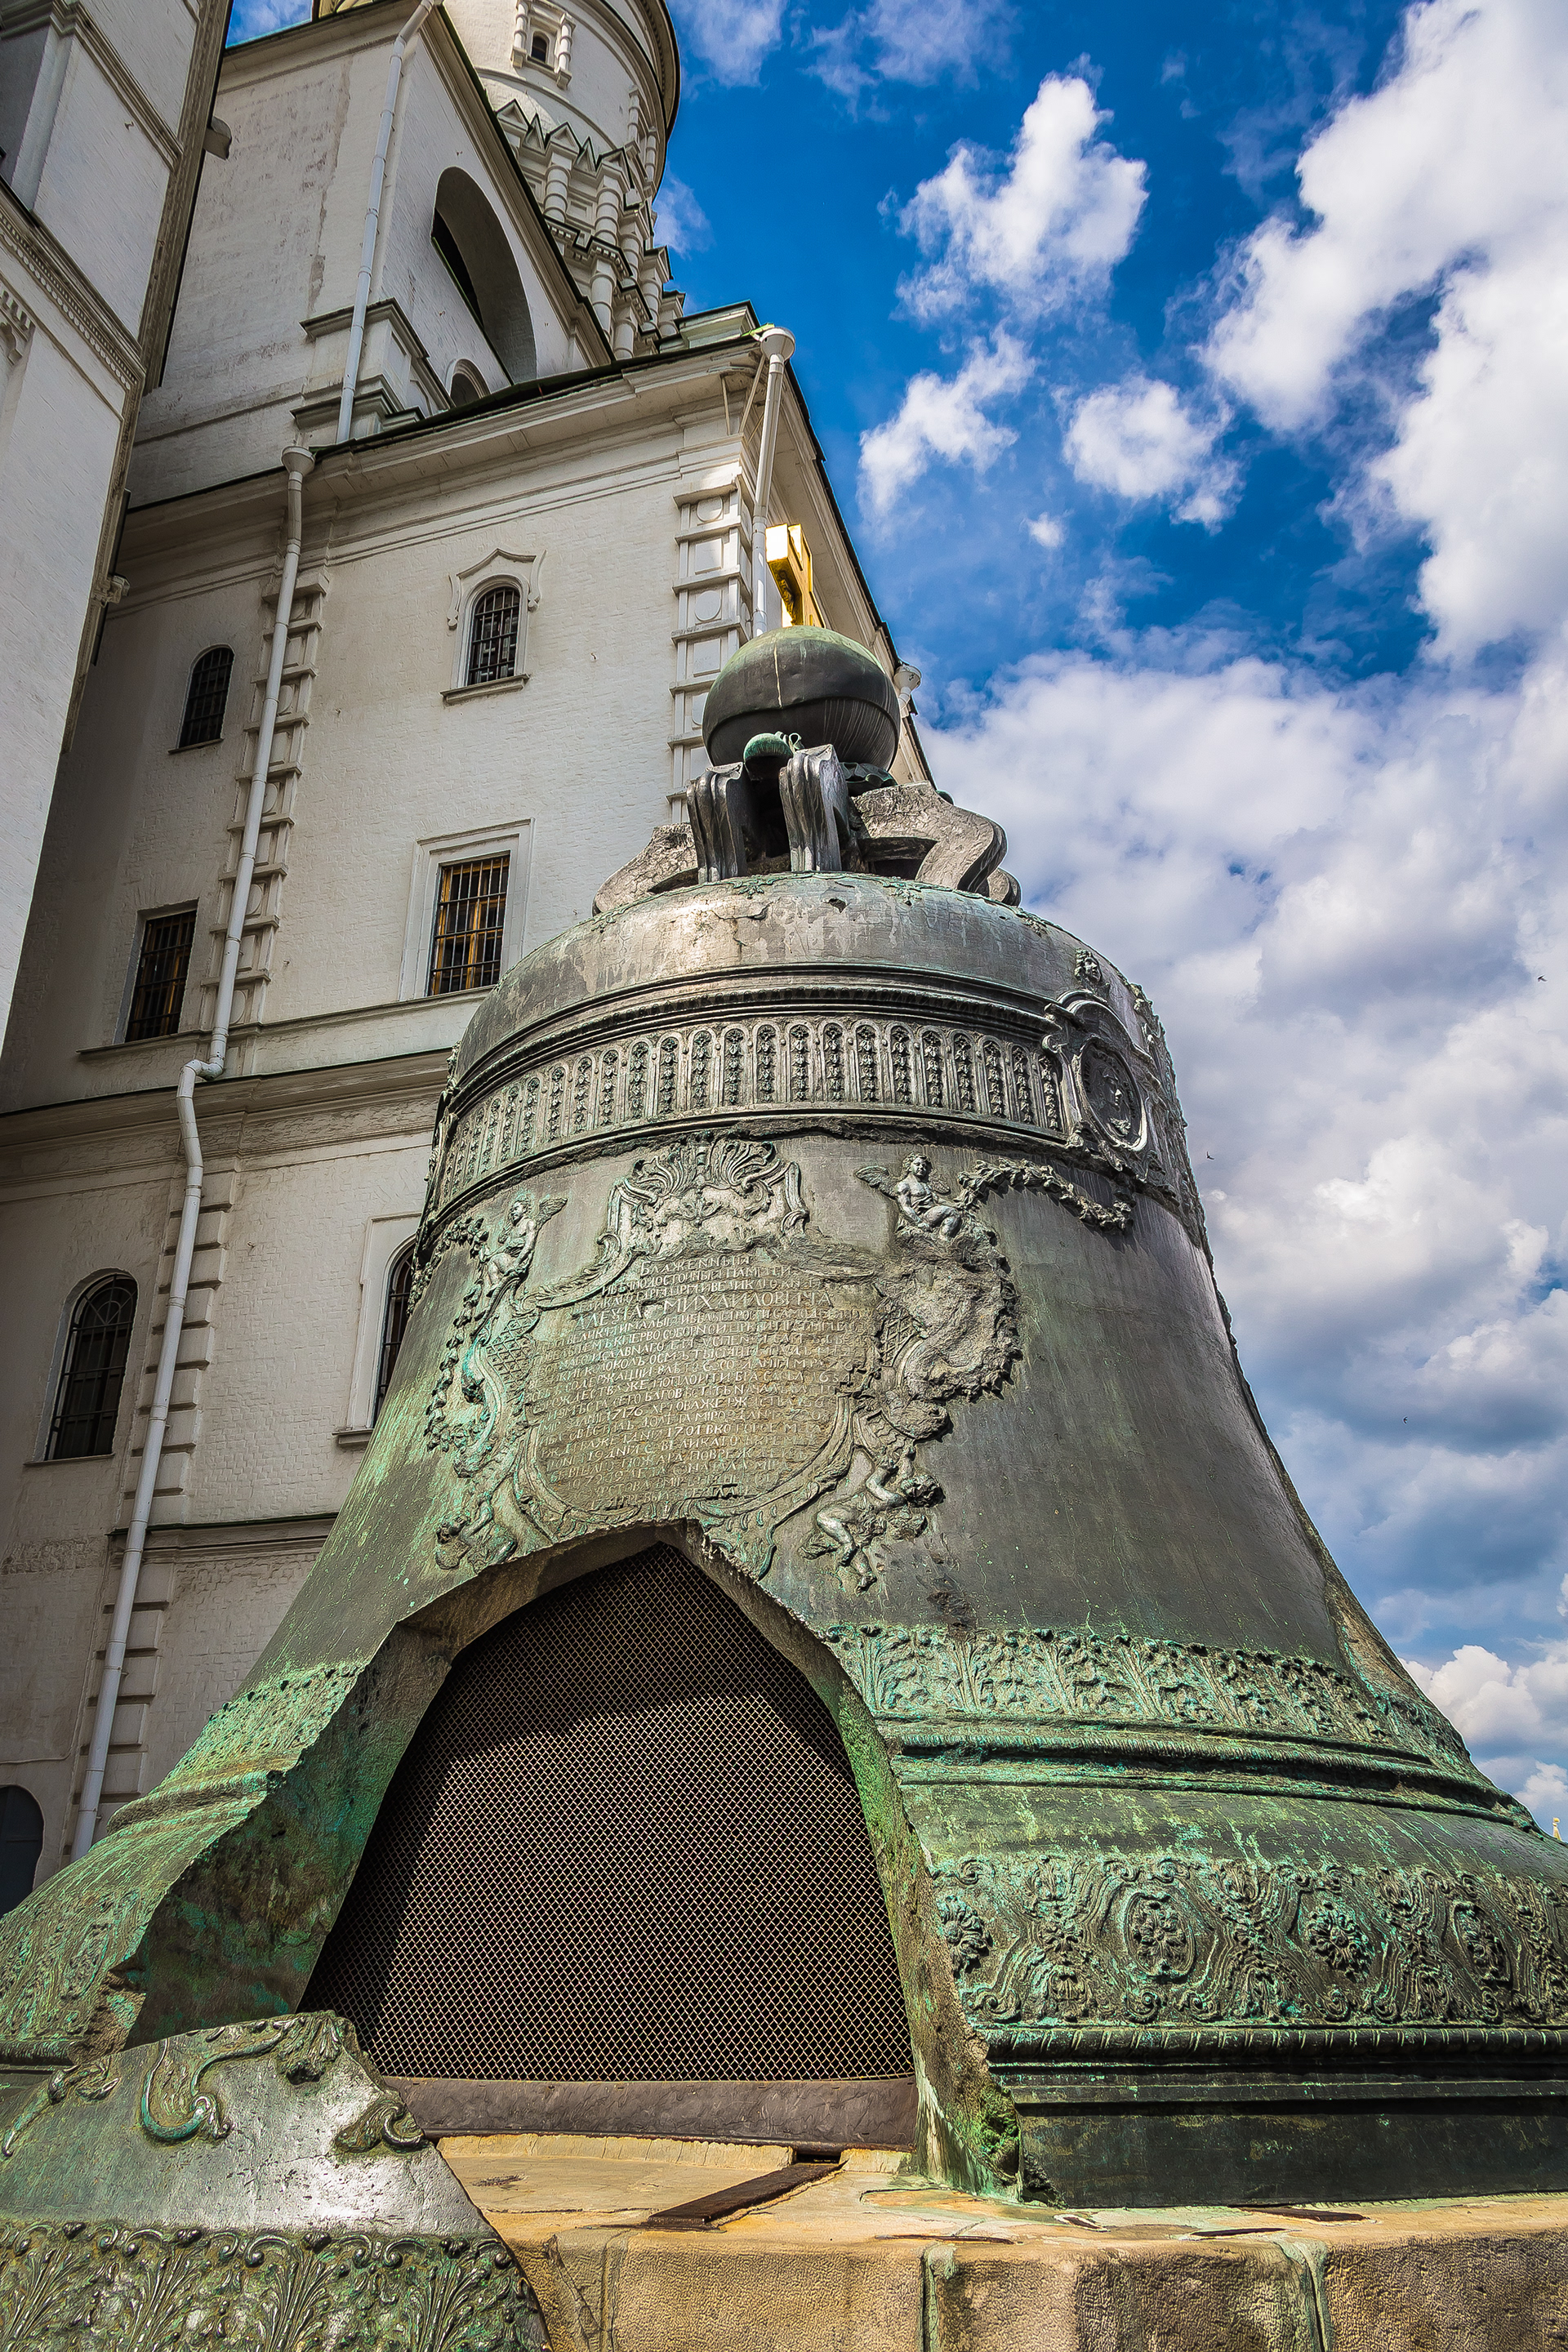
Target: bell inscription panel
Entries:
(740, 1368)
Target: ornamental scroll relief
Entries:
(1177, 1940)
(177, 2102)
(1073, 1088)
(926, 1674)
(108, 2287)
(721, 1361)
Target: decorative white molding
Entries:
(57, 278)
(540, 16)
(16, 324)
(446, 849)
(499, 569)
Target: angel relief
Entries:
(719, 1360)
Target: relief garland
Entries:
(822, 1356)
(1069, 1941)
(925, 1672)
(110, 2287)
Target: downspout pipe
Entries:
(297, 463)
(778, 344)
(372, 218)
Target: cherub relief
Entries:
(893, 1502)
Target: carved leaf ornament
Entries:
(108, 2287)
(765, 1360)
(1066, 1940)
(922, 1674)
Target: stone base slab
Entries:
(869, 2258)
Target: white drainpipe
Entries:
(372, 216)
(778, 343)
(298, 462)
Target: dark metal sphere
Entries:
(807, 682)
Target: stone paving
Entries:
(868, 2258)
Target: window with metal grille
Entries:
(470, 911)
(160, 968)
(492, 636)
(86, 1403)
(624, 1846)
(399, 1287)
(207, 697)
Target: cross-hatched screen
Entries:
(624, 1846)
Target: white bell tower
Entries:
(586, 96)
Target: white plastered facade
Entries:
(102, 113)
(617, 497)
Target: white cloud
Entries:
(946, 40)
(1339, 902)
(1053, 222)
(1450, 178)
(1506, 1715)
(1545, 1792)
(732, 36)
(252, 18)
(946, 419)
(1492, 1705)
(1136, 439)
(1046, 530)
(682, 223)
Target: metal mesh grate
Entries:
(625, 1845)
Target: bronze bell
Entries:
(820, 1642)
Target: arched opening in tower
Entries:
(625, 1846)
(472, 242)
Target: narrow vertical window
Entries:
(21, 1843)
(394, 1322)
(207, 697)
(87, 1403)
(470, 911)
(161, 969)
(492, 638)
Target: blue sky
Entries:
(1194, 378)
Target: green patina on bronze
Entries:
(1190, 1887)
(117, 2284)
(254, 2183)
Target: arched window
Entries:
(206, 697)
(492, 635)
(394, 1322)
(21, 1843)
(468, 385)
(472, 242)
(540, 49)
(86, 1403)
